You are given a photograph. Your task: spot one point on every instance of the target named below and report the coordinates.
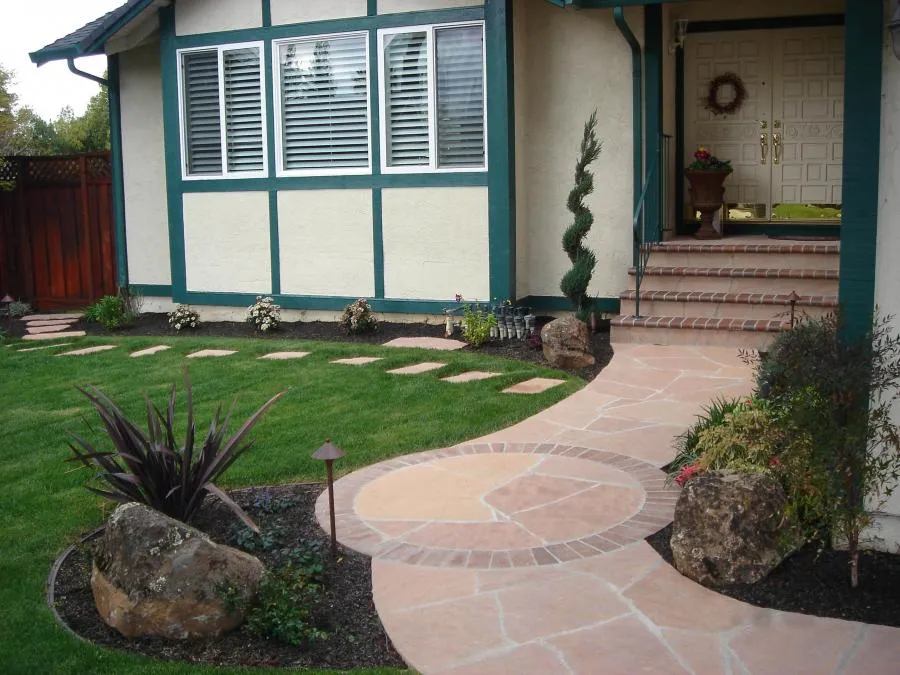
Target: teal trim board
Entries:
(637, 103)
(653, 115)
(378, 242)
(266, 14)
(118, 182)
(372, 7)
(552, 303)
(274, 246)
(313, 302)
(152, 290)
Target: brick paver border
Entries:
(355, 532)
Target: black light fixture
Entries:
(6, 305)
(328, 453)
(894, 27)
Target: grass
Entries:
(370, 414)
(805, 212)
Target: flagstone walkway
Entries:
(522, 552)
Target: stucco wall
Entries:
(435, 243)
(292, 11)
(226, 242)
(588, 68)
(392, 6)
(326, 243)
(210, 16)
(144, 167)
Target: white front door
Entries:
(786, 140)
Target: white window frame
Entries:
(280, 171)
(226, 174)
(432, 166)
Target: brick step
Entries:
(725, 305)
(739, 280)
(824, 256)
(679, 330)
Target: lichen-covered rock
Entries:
(154, 575)
(567, 343)
(729, 528)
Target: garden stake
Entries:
(328, 453)
(794, 299)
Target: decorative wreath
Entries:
(732, 106)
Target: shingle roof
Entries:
(89, 38)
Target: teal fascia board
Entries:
(653, 84)
(118, 182)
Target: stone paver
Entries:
(211, 353)
(418, 369)
(358, 360)
(51, 317)
(53, 322)
(283, 356)
(440, 344)
(55, 336)
(88, 350)
(38, 349)
(535, 385)
(460, 594)
(150, 351)
(471, 376)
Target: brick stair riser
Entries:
(718, 310)
(807, 261)
(687, 336)
(737, 284)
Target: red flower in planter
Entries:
(687, 473)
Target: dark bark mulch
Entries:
(356, 638)
(818, 583)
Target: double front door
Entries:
(786, 141)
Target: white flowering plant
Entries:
(358, 317)
(184, 317)
(264, 315)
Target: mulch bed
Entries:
(356, 636)
(818, 583)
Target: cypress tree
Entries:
(575, 282)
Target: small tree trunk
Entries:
(854, 569)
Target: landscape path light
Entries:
(328, 453)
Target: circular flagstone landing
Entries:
(499, 505)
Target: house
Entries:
(410, 150)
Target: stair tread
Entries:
(819, 248)
(736, 298)
(701, 323)
(744, 272)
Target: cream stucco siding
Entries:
(193, 17)
(394, 6)
(436, 243)
(292, 11)
(144, 167)
(226, 242)
(588, 68)
(326, 242)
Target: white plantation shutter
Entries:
(324, 103)
(202, 116)
(243, 109)
(406, 93)
(460, 96)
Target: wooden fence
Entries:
(57, 246)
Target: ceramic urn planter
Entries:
(707, 196)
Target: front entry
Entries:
(785, 141)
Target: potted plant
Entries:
(707, 175)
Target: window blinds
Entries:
(243, 109)
(202, 117)
(406, 107)
(460, 96)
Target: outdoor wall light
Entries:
(894, 27)
(679, 34)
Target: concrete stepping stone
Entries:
(441, 344)
(88, 350)
(57, 322)
(51, 317)
(471, 376)
(150, 351)
(211, 353)
(283, 356)
(535, 385)
(55, 336)
(418, 368)
(358, 361)
(40, 330)
(37, 349)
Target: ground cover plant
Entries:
(369, 413)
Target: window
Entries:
(323, 105)
(222, 104)
(432, 97)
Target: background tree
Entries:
(575, 282)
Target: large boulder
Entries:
(154, 575)
(567, 343)
(729, 528)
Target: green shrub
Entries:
(477, 324)
(358, 317)
(686, 444)
(18, 308)
(110, 312)
(154, 468)
(184, 317)
(264, 315)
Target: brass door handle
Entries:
(763, 147)
(776, 146)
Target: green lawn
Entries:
(372, 415)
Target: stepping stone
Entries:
(55, 336)
(207, 353)
(441, 344)
(37, 349)
(471, 376)
(40, 330)
(535, 385)
(417, 369)
(51, 317)
(358, 361)
(283, 356)
(88, 350)
(57, 322)
(150, 351)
